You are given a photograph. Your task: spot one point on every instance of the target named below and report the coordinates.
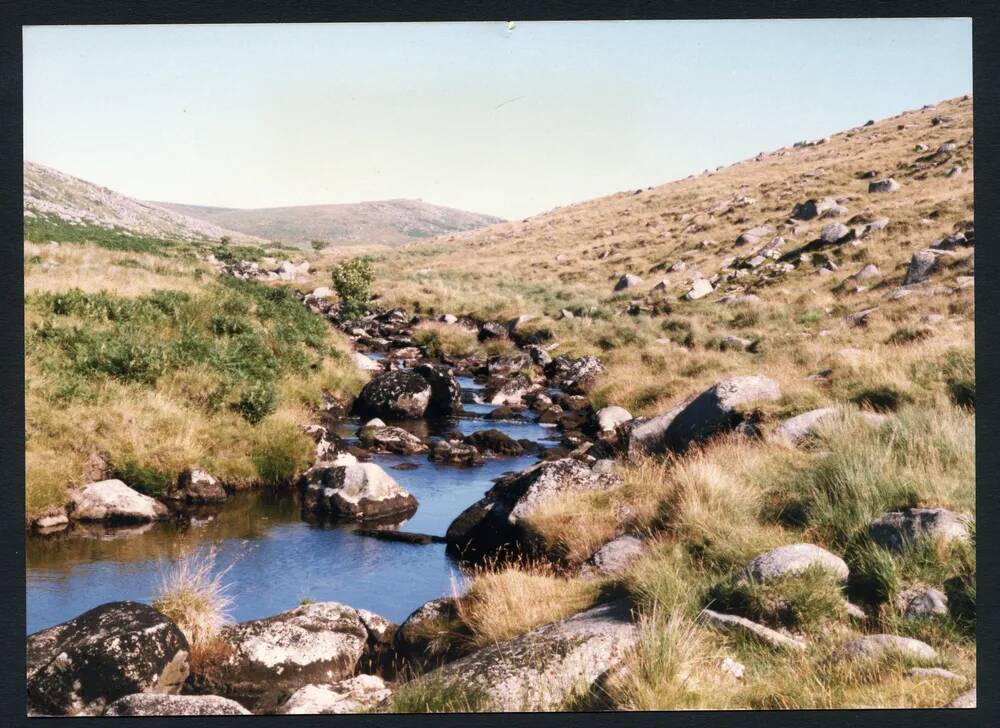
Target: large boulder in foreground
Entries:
(717, 409)
(356, 490)
(446, 392)
(267, 658)
(542, 669)
(81, 666)
(149, 704)
(112, 501)
(496, 521)
(397, 395)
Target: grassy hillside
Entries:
(384, 222)
(141, 362)
(709, 511)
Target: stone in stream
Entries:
(512, 391)
(494, 523)
(358, 491)
(146, 704)
(392, 440)
(117, 649)
(267, 658)
(114, 502)
(543, 669)
(394, 395)
(494, 442)
(353, 695)
(455, 452)
(446, 393)
(195, 485)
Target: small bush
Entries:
(352, 279)
(257, 400)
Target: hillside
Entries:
(386, 222)
(51, 195)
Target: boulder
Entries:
(922, 264)
(546, 667)
(143, 704)
(500, 366)
(195, 485)
(113, 501)
(649, 436)
(627, 281)
(868, 271)
(754, 235)
(366, 364)
(492, 330)
(574, 376)
(717, 409)
(965, 700)
(614, 557)
(877, 646)
(921, 601)
(266, 658)
(933, 673)
(897, 529)
(81, 666)
(800, 428)
(699, 289)
(424, 640)
(359, 491)
(446, 393)
(394, 395)
(884, 185)
(813, 208)
(538, 355)
(835, 232)
(607, 419)
(741, 625)
(495, 522)
(794, 559)
(511, 391)
(354, 695)
(494, 442)
(391, 440)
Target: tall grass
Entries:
(193, 595)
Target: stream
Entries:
(274, 557)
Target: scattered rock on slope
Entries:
(795, 559)
(898, 529)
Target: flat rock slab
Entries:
(741, 625)
(542, 669)
(117, 649)
(148, 704)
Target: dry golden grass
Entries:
(504, 602)
(192, 594)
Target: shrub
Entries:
(319, 245)
(352, 279)
(257, 401)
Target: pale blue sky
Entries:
(470, 115)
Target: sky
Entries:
(476, 116)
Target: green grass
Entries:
(429, 696)
(802, 601)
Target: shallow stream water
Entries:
(274, 557)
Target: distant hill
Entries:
(385, 222)
(49, 193)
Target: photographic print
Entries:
(479, 367)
